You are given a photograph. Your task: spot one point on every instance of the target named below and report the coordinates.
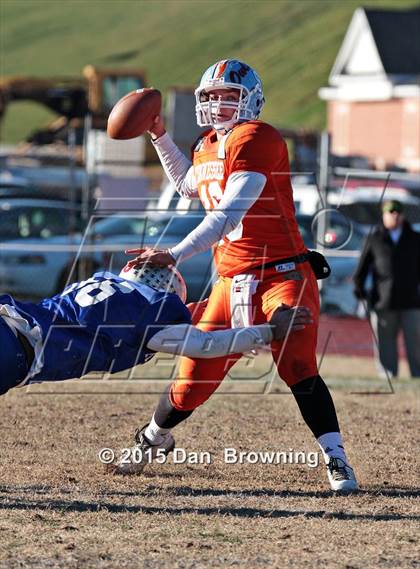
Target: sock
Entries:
(166, 415)
(316, 405)
(155, 434)
(332, 445)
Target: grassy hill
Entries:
(291, 43)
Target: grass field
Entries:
(292, 45)
(61, 509)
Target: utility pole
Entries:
(323, 175)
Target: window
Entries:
(119, 226)
(34, 222)
(116, 87)
(9, 224)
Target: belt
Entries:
(297, 259)
(27, 348)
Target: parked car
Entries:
(36, 238)
(16, 187)
(33, 217)
(331, 231)
(306, 196)
(12, 186)
(362, 205)
(341, 242)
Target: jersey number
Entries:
(211, 193)
(91, 291)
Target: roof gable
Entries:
(397, 37)
(379, 43)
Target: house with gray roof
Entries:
(373, 95)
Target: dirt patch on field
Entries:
(61, 509)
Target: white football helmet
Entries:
(229, 74)
(164, 279)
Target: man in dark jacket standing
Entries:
(392, 255)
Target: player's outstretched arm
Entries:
(177, 167)
(186, 340)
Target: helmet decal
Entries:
(235, 76)
(221, 66)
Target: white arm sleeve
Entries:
(242, 191)
(177, 167)
(186, 340)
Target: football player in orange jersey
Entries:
(240, 172)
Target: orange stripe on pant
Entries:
(295, 357)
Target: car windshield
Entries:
(29, 222)
(119, 225)
(147, 226)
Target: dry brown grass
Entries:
(61, 509)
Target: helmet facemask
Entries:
(210, 107)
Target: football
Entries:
(133, 115)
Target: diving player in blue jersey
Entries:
(111, 323)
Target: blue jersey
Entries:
(101, 324)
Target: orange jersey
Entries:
(268, 231)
